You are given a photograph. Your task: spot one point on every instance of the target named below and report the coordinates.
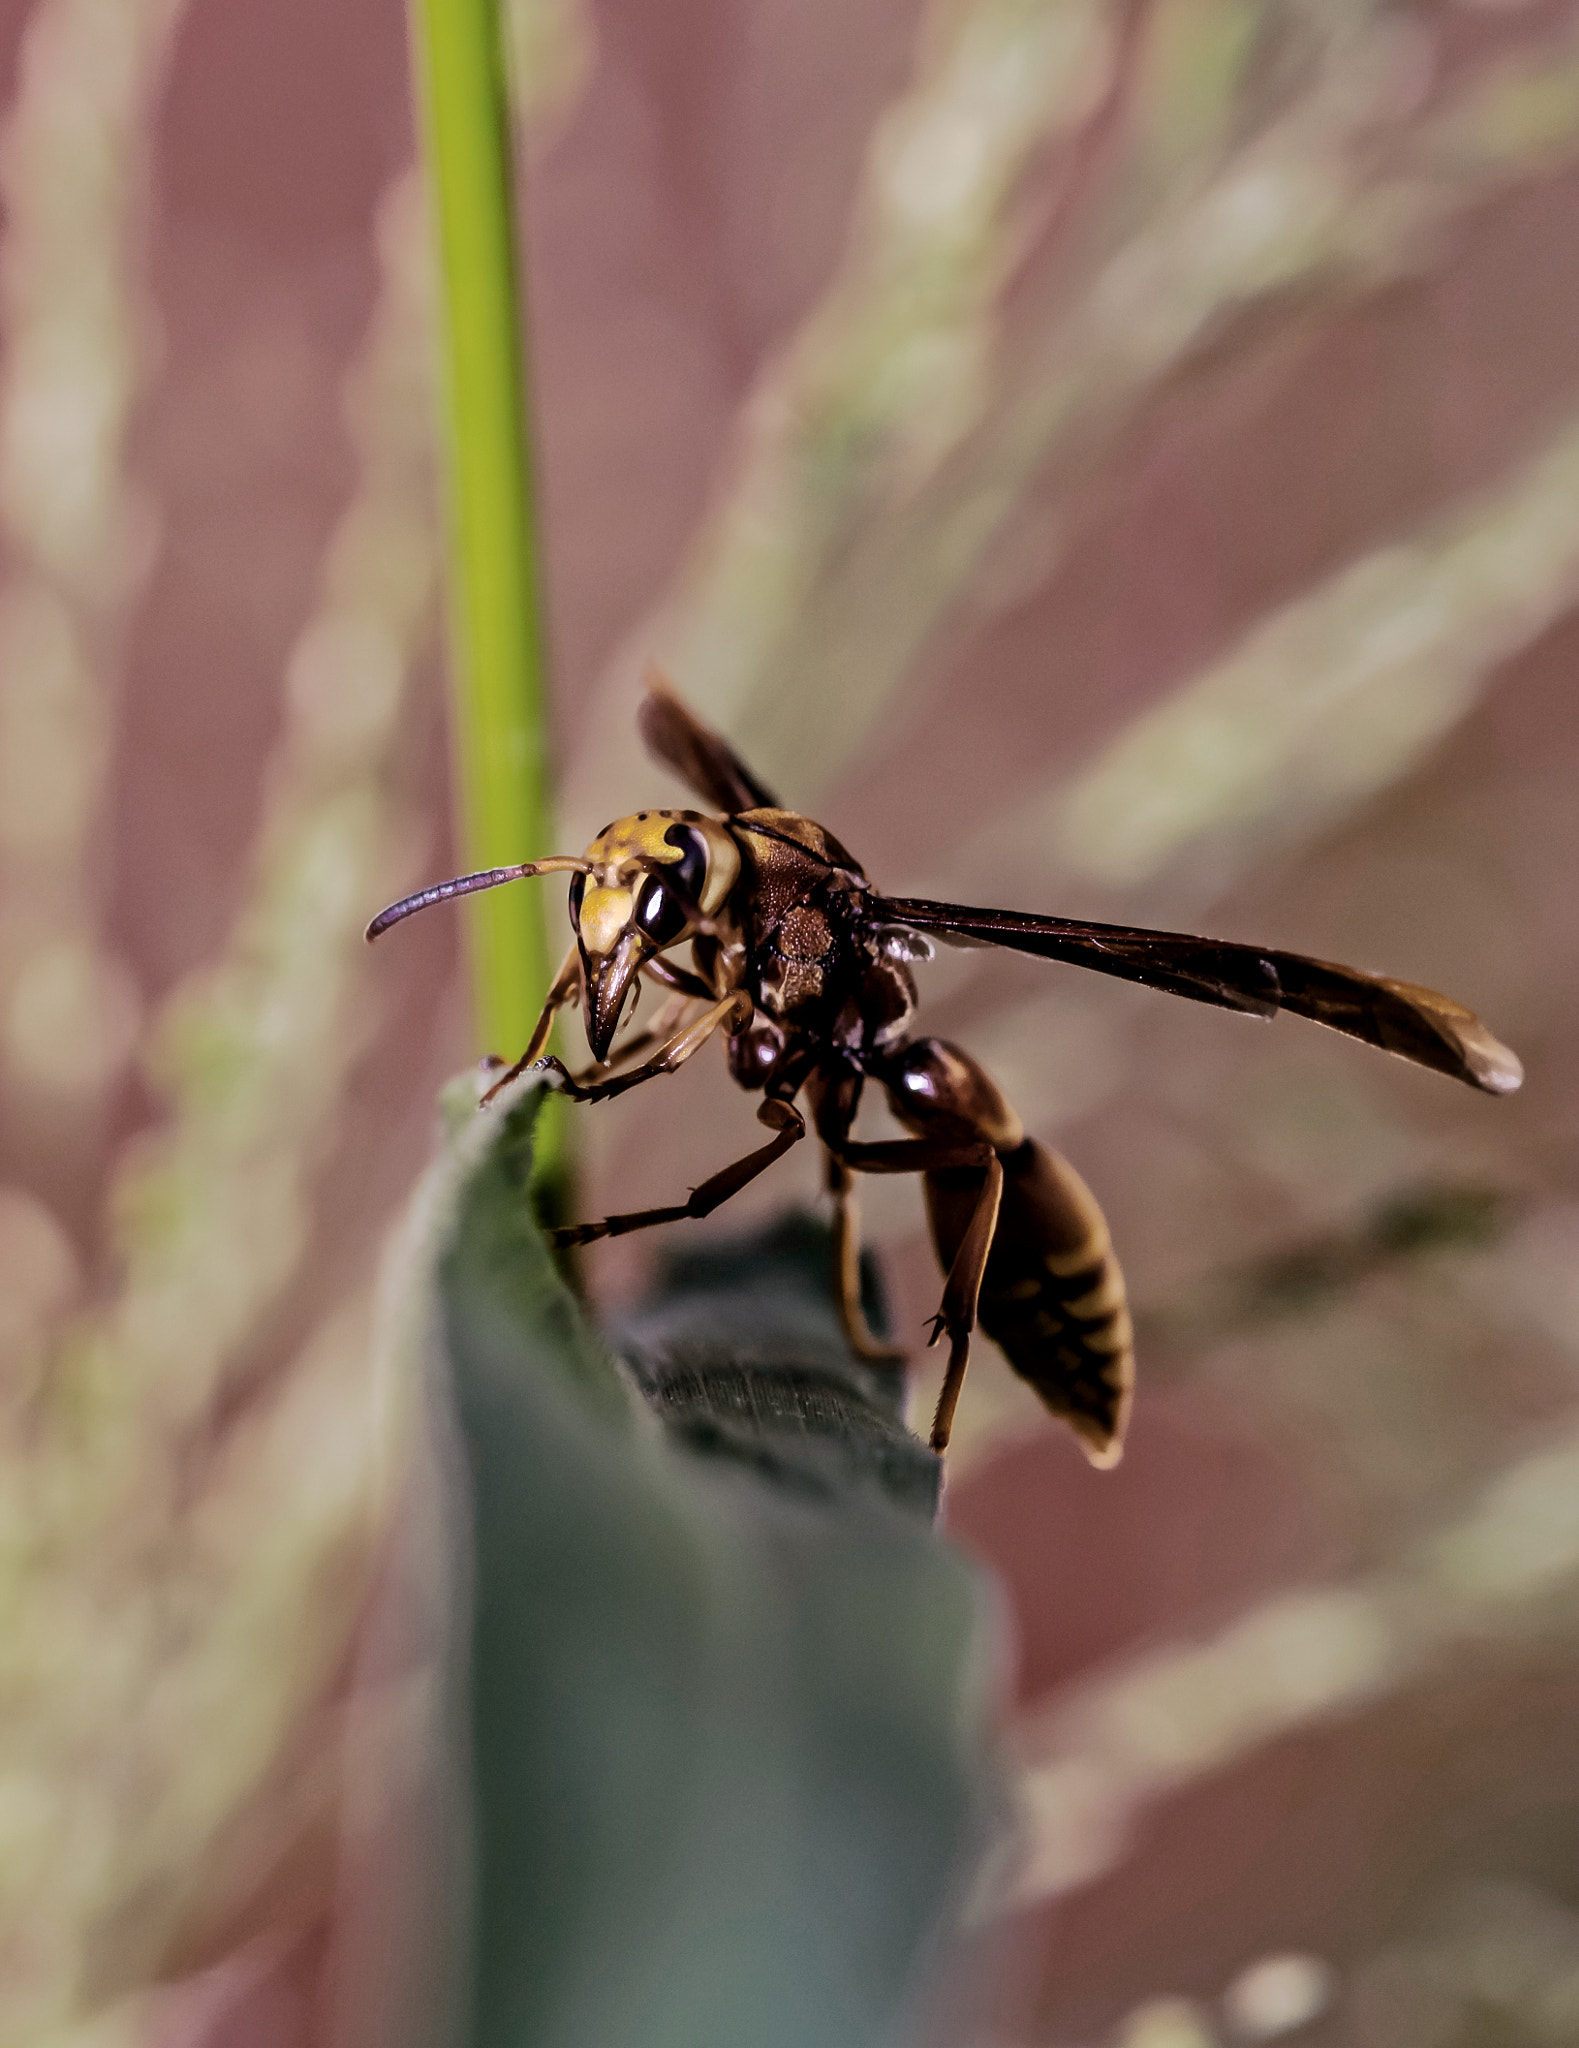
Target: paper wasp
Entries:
(806, 969)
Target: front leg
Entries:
(665, 1019)
(735, 1010)
(679, 979)
(565, 984)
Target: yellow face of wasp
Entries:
(650, 877)
(650, 873)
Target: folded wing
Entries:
(674, 735)
(1415, 1023)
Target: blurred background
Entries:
(1118, 457)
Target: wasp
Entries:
(806, 970)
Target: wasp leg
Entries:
(847, 1267)
(733, 1010)
(790, 1128)
(565, 984)
(835, 1095)
(678, 979)
(961, 1293)
(956, 1314)
(684, 990)
(664, 1021)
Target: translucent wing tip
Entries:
(1485, 1061)
(1101, 1452)
(1494, 1066)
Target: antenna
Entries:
(468, 885)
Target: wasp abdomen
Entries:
(1052, 1298)
(1052, 1295)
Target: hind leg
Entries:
(956, 1316)
(963, 1126)
(961, 1296)
(1053, 1300)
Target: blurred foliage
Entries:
(78, 535)
(1336, 694)
(1303, 1279)
(1211, 162)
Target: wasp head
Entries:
(651, 882)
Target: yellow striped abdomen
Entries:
(1053, 1297)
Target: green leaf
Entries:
(742, 1355)
(725, 1707)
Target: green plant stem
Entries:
(496, 637)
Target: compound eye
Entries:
(688, 874)
(578, 889)
(660, 913)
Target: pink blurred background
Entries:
(1298, 1684)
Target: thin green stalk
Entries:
(497, 658)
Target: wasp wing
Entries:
(1415, 1023)
(674, 735)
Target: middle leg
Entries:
(847, 1269)
(783, 1118)
(835, 1095)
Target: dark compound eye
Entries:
(578, 889)
(688, 875)
(660, 913)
